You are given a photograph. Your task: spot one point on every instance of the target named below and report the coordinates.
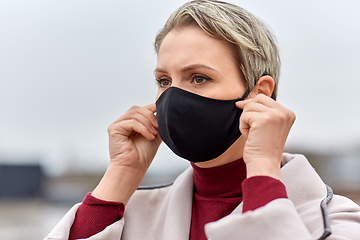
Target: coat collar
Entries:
(296, 174)
(301, 181)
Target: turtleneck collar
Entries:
(221, 180)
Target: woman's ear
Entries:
(265, 85)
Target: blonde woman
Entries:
(217, 72)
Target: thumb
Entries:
(241, 104)
(244, 128)
(244, 123)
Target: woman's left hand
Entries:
(265, 125)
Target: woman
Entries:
(217, 71)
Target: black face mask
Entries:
(197, 128)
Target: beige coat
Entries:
(165, 213)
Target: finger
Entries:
(144, 120)
(240, 104)
(260, 98)
(265, 100)
(249, 120)
(255, 107)
(244, 125)
(244, 128)
(148, 111)
(131, 126)
(151, 107)
(147, 116)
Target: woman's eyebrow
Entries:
(186, 68)
(195, 66)
(160, 70)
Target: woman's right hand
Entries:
(134, 138)
(133, 143)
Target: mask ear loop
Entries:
(246, 94)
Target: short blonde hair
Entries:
(254, 45)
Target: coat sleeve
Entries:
(280, 220)
(62, 229)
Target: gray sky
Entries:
(70, 68)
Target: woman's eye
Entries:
(164, 82)
(198, 79)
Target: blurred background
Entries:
(68, 69)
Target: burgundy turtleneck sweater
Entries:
(217, 192)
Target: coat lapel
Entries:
(297, 174)
(302, 183)
(178, 216)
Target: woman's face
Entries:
(192, 60)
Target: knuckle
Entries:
(132, 110)
(290, 115)
(134, 107)
(276, 116)
(269, 117)
(111, 128)
(116, 127)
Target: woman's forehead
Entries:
(191, 45)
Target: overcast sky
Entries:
(69, 68)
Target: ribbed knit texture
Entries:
(93, 216)
(217, 192)
(260, 190)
